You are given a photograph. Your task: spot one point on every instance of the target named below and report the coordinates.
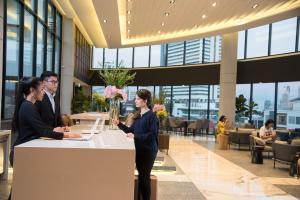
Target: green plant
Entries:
(161, 98)
(244, 109)
(80, 102)
(117, 77)
(99, 102)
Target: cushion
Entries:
(295, 142)
(260, 141)
(283, 135)
(280, 142)
(294, 134)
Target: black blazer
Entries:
(31, 125)
(50, 118)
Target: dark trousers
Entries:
(144, 164)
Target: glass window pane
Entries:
(265, 103)
(41, 9)
(167, 91)
(49, 51)
(242, 89)
(288, 105)
(180, 101)
(40, 49)
(97, 58)
(214, 103)
(257, 41)
(299, 38)
(10, 95)
(12, 39)
(50, 17)
(125, 57)
(141, 56)
(193, 52)
(28, 44)
(57, 57)
(29, 3)
(157, 58)
(199, 102)
(129, 106)
(241, 45)
(110, 58)
(58, 24)
(284, 36)
(175, 53)
(150, 88)
(212, 49)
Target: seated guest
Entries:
(27, 121)
(48, 107)
(221, 124)
(266, 132)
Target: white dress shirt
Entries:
(51, 98)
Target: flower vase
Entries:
(114, 112)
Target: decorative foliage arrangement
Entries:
(242, 108)
(117, 77)
(112, 92)
(100, 102)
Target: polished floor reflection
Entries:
(218, 178)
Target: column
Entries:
(1, 50)
(68, 63)
(228, 75)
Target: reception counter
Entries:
(102, 168)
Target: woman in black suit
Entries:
(27, 122)
(144, 131)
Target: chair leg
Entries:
(274, 163)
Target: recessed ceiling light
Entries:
(128, 12)
(214, 4)
(167, 14)
(196, 26)
(128, 30)
(203, 16)
(255, 6)
(162, 24)
(105, 21)
(128, 0)
(172, 1)
(158, 32)
(128, 22)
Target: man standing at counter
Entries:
(49, 108)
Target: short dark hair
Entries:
(269, 121)
(47, 74)
(222, 118)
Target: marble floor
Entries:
(202, 174)
(218, 178)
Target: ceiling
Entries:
(122, 23)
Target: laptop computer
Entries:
(86, 137)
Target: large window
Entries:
(40, 49)
(129, 106)
(257, 41)
(288, 105)
(110, 58)
(28, 44)
(141, 56)
(193, 51)
(180, 101)
(214, 102)
(199, 101)
(97, 58)
(243, 92)
(265, 103)
(212, 49)
(241, 45)
(175, 53)
(125, 57)
(156, 55)
(38, 43)
(284, 36)
(12, 38)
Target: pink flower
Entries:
(110, 91)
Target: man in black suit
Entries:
(49, 108)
